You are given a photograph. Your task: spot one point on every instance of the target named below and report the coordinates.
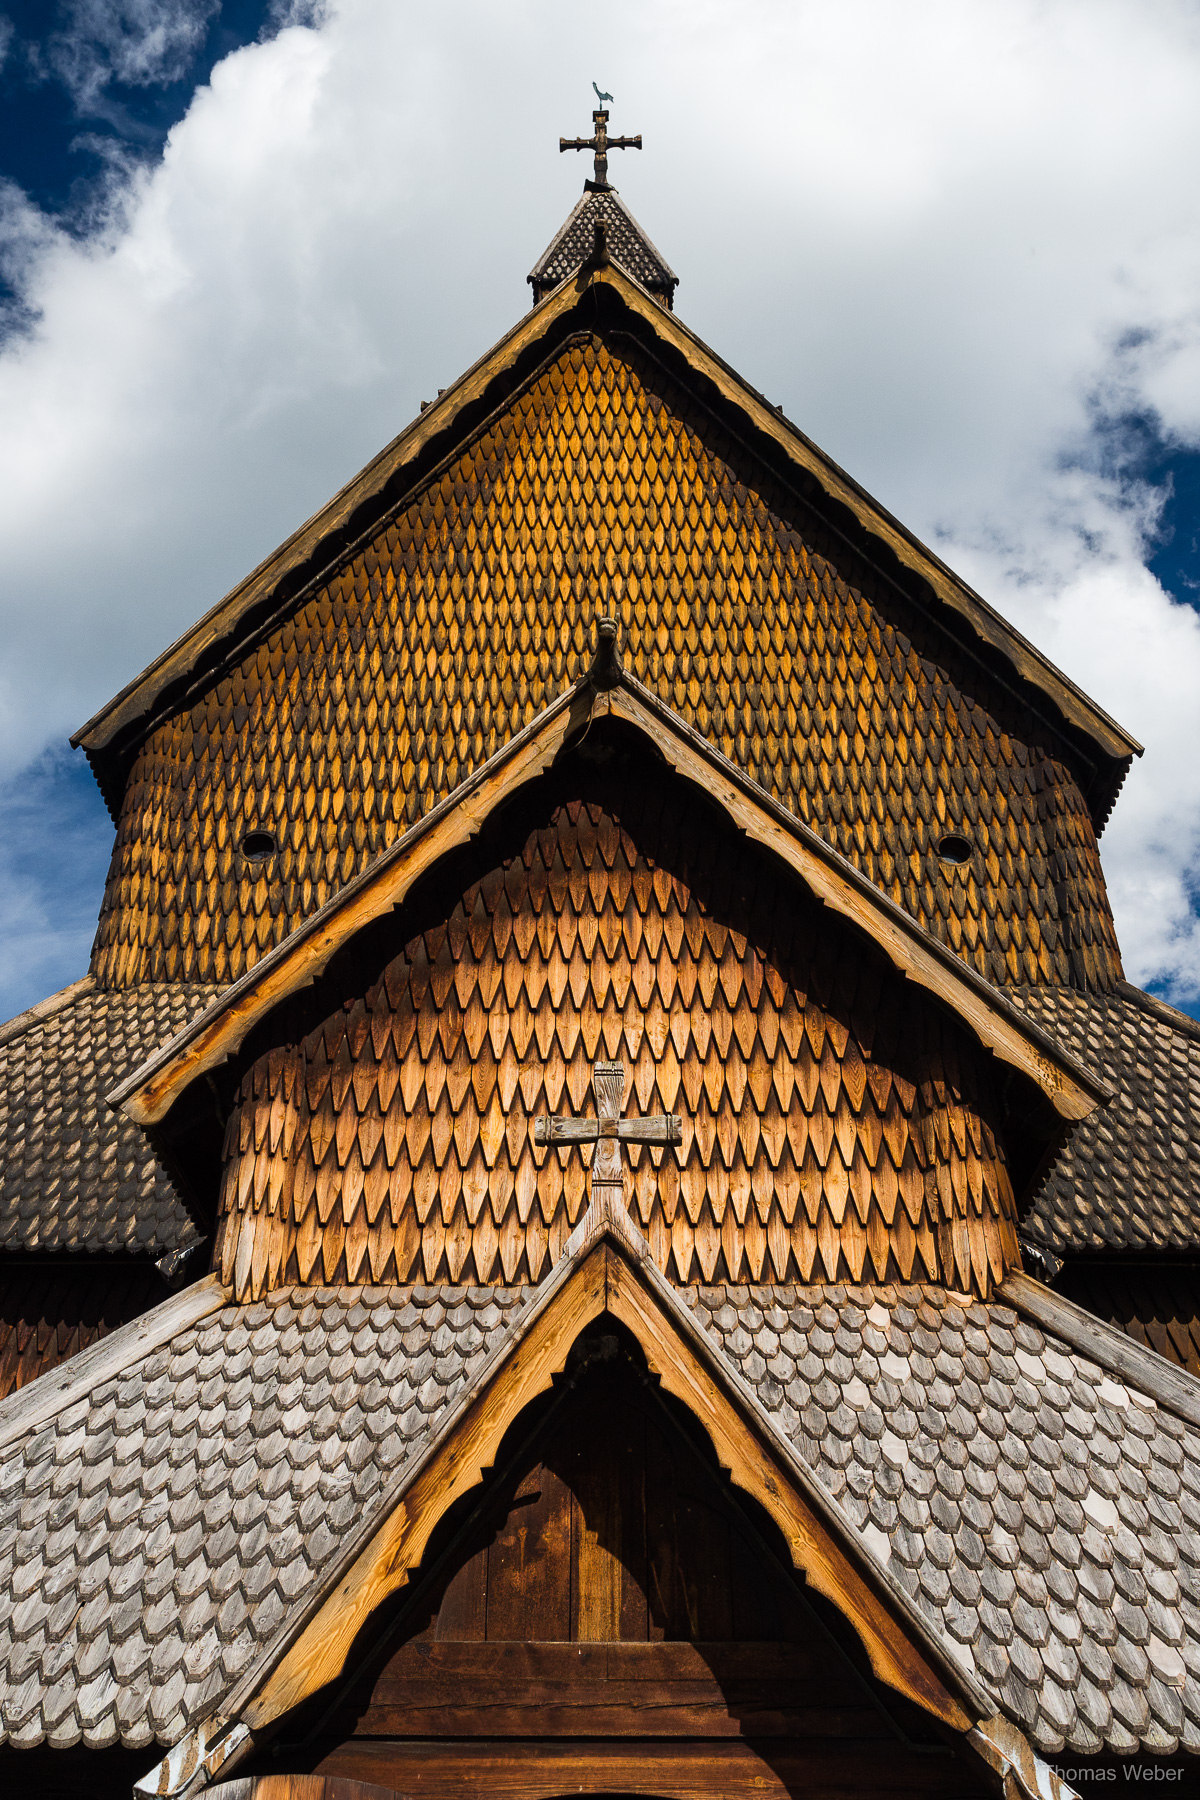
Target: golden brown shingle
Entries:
(603, 487)
(834, 1121)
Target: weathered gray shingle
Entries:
(1042, 1514)
(1045, 1516)
(75, 1175)
(154, 1536)
(627, 244)
(1130, 1176)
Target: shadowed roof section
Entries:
(151, 1092)
(74, 1176)
(602, 300)
(1129, 1180)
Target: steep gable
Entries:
(829, 1117)
(391, 1067)
(604, 484)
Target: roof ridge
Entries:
(1162, 1010)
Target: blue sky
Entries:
(71, 106)
(241, 242)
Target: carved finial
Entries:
(600, 144)
(599, 256)
(605, 671)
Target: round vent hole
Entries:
(258, 845)
(955, 850)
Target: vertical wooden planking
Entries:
(529, 1562)
(462, 1615)
(667, 1611)
(595, 1537)
(761, 1609)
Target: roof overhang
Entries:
(596, 299)
(150, 1093)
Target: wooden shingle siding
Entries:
(835, 1121)
(603, 488)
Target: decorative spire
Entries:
(600, 143)
(601, 227)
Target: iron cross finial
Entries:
(609, 1130)
(600, 144)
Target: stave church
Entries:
(604, 1219)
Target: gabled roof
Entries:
(152, 1091)
(605, 298)
(968, 1597)
(1130, 1177)
(72, 1175)
(624, 239)
(607, 1267)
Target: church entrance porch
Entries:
(605, 1615)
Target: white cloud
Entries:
(141, 43)
(949, 238)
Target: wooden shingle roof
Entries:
(1129, 1178)
(1023, 1508)
(74, 1175)
(625, 241)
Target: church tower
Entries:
(607, 1053)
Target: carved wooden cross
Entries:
(608, 1131)
(601, 143)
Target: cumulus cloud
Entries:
(959, 243)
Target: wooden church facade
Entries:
(602, 964)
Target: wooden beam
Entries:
(1069, 1087)
(506, 1769)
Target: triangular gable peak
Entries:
(830, 1118)
(621, 238)
(606, 1271)
(601, 459)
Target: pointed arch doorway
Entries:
(606, 1615)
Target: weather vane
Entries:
(600, 143)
